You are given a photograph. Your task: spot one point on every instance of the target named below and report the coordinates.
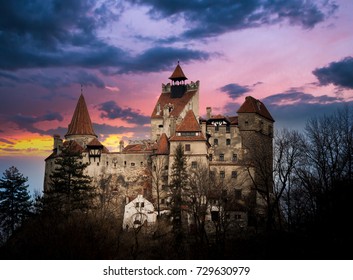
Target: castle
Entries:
(218, 143)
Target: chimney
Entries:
(121, 145)
(208, 110)
(57, 142)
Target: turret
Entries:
(178, 78)
(80, 127)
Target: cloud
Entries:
(51, 78)
(27, 123)
(293, 97)
(338, 73)
(211, 18)
(37, 34)
(292, 109)
(161, 58)
(111, 110)
(234, 90)
(3, 140)
(105, 130)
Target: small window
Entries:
(212, 174)
(227, 128)
(132, 164)
(160, 126)
(97, 163)
(216, 128)
(210, 157)
(187, 147)
(194, 164)
(237, 193)
(235, 157)
(234, 174)
(137, 204)
(222, 174)
(154, 168)
(141, 163)
(221, 157)
(228, 142)
(215, 216)
(246, 122)
(215, 142)
(142, 204)
(166, 167)
(125, 163)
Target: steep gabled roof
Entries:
(178, 74)
(81, 122)
(252, 105)
(162, 147)
(96, 143)
(189, 123)
(178, 104)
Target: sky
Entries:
(296, 56)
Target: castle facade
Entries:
(217, 143)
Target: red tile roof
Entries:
(178, 74)
(96, 143)
(189, 123)
(178, 103)
(81, 122)
(163, 145)
(252, 105)
(200, 137)
(138, 148)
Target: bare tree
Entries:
(157, 173)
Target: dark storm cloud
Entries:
(111, 110)
(338, 73)
(210, 18)
(50, 78)
(234, 90)
(161, 58)
(64, 33)
(27, 123)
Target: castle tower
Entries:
(80, 128)
(176, 99)
(256, 130)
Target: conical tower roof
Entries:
(178, 74)
(81, 122)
